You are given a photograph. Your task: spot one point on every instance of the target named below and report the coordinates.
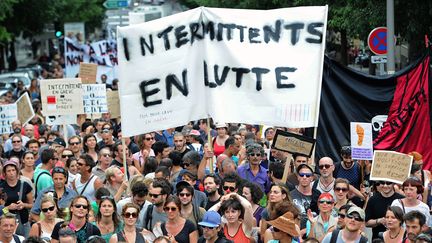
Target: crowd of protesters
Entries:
(183, 186)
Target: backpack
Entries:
(148, 217)
(335, 233)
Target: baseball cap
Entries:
(60, 141)
(194, 133)
(211, 219)
(357, 210)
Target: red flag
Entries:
(408, 125)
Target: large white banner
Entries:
(103, 53)
(254, 66)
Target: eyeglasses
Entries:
(168, 209)
(106, 155)
(387, 183)
(325, 202)
(16, 141)
(356, 218)
(184, 194)
(105, 130)
(154, 195)
(77, 143)
(342, 216)
(255, 154)
(67, 156)
(45, 210)
(342, 189)
(81, 164)
(305, 174)
(128, 215)
(324, 166)
(148, 139)
(230, 188)
(81, 206)
(276, 229)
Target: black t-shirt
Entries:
(211, 203)
(82, 234)
(13, 197)
(377, 208)
(183, 235)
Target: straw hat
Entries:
(286, 224)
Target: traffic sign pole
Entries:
(390, 40)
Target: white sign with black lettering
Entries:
(94, 98)
(8, 114)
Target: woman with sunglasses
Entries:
(66, 154)
(145, 143)
(393, 222)
(130, 233)
(28, 162)
(90, 146)
(177, 228)
(79, 209)
(341, 189)
(44, 227)
(278, 193)
(107, 219)
(317, 227)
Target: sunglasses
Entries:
(325, 202)
(254, 154)
(81, 206)
(305, 174)
(74, 143)
(105, 130)
(276, 229)
(324, 166)
(106, 155)
(184, 194)
(67, 156)
(356, 218)
(59, 170)
(128, 215)
(387, 183)
(169, 209)
(186, 164)
(230, 188)
(208, 227)
(342, 189)
(81, 164)
(16, 141)
(154, 195)
(107, 197)
(48, 209)
(149, 139)
(342, 216)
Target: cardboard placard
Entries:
(293, 143)
(8, 114)
(88, 73)
(361, 141)
(113, 101)
(391, 166)
(25, 109)
(62, 96)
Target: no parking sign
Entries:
(377, 41)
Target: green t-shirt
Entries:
(44, 181)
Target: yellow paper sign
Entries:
(113, 103)
(293, 143)
(391, 166)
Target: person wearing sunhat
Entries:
(219, 140)
(285, 229)
(211, 225)
(354, 223)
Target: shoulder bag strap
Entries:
(21, 190)
(403, 206)
(85, 186)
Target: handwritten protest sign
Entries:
(113, 103)
(8, 114)
(25, 109)
(390, 166)
(293, 143)
(61, 96)
(222, 62)
(88, 73)
(361, 141)
(94, 98)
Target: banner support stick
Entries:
(65, 135)
(124, 158)
(287, 168)
(209, 140)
